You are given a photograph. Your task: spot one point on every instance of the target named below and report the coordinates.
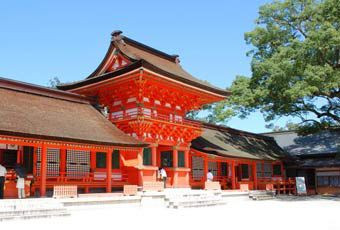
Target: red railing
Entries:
(83, 176)
(140, 114)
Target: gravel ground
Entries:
(282, 213)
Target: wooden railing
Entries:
(83, 176)
(156, 116)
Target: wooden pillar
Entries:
(92, 161)
(154, 155)
(108, 170)
(205, 168)
(140, 166)
(43, 172)
(283, 174)
(186, 158)
(175, 158)
(254, 175)
(62, 162)
(19, 155)
(233, 178)
(140, 157)
(35, 161)
(175, 166)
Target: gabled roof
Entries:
(143, 56)
(228, 142)
(33, 111)
(323, 142)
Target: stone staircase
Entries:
(192, 198)
(31, 208)
(261, 195)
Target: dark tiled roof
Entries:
(323, 142)
(223, 141)
(319, 162)
(149, 58)
(33, 111)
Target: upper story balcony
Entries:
(148, 114)
(148, 123)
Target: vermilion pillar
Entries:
(175, 158)
(254, 175)
(205, 168)
(43, 173)
(19, 151)
(175, 166)
(62, 162)
(109, 170)
(92, 160)
(186, 158)
(233, 182)
(154, 155)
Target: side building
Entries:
(238, 159)
(317, 158)
(59, 138)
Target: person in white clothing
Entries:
(163, 175)
(20, 181)
(21, 187)
(3, 172)
(210, 176)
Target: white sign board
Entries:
(300, 186)
(12, 147)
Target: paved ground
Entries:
(284, 213)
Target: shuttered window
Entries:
(181, 160)
(147, 157)
(115, 159)
(224, 169)
(100, 160)
(277, 170)
(244, 171)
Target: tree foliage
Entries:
(54, 82)
(295, 65)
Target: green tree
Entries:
(295, 65)
(54, 82)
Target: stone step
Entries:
(31, 208)
(35, 216)
(31, 212)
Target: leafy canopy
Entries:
(295, 65)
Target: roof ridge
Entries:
(150, 49)
(226, 128)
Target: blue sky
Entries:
(68, 39)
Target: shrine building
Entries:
(123, 122)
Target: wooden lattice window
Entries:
(212, 166)
(53, 162)
(77, 163)
(267, 170)
(181, 159)
(147, 157)
(197, 167)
